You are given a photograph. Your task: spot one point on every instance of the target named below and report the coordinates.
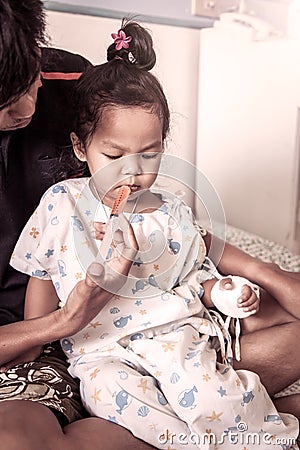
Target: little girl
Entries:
(154, 360)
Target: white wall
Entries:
(248, 130)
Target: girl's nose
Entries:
(131, 165)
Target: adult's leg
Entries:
(289, 404)
(284, 286)
(29, 425)
(270, 314)
(99, 434)
(273, 354)
(277, 269)
(268, 341)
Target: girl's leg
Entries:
(29, 425)
(197, 388)
(124, 394)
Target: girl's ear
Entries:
(78, 147)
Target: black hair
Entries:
(22, 31)
(124, 81)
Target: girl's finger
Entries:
(252, 306)
(249, 301)
(99, 231)
(99, 226)
(99, 236)
(246, 293)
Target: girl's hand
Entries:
(248, 300)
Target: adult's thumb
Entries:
(94, 275)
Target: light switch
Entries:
(213, 8)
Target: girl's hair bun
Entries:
(133, 45)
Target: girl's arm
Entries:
(234, 261)
(40, 299)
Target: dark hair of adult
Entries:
(22, 31)
(123, 81)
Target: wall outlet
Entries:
(213, 8)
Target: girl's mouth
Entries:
(133, 187)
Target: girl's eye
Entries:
(149, 155)
(112, 156)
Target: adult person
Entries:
(24, 130)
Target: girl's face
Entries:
(126, 147)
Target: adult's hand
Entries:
(84, 302)
(105, 276)
(116, 254)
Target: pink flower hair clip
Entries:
(121, 40)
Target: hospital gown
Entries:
(148, 361)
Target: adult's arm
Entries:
(84, 302)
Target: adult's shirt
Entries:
(29, 158)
